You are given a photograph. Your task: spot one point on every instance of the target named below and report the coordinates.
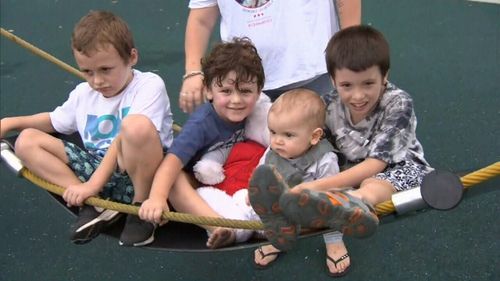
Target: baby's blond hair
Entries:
(305, 103)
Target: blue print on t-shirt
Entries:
(101, 130)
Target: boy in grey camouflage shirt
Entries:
(372, 124)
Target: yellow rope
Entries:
(41, 53)
(468, 180)
(385, 208)
(481, 175)
(382, 209)
(130, 209)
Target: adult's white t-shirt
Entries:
(290, 35)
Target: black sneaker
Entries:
(90, 222)
(137, 232)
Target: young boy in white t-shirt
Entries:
(123, 117)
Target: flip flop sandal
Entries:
(265, 189)
(334, 210)
(262, 256)
(335, 262)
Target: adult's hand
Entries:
(191, 95)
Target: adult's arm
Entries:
(200, 24)
(349, 12)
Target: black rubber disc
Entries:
(442, 190)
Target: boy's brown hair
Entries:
(311, 107)
(99, 28)
(357, 48)
(240, 56)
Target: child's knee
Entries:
(374, 191)
(26, 142)
(137, 128)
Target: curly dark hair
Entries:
(238, 55)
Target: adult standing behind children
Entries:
(290, 37)
(123, 117)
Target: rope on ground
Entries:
(130, 209)
(382, 209)
(481, 175)
(41, 53)
(486, 173)
(52, 59)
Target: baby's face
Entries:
(291, 135)
(233, 104)
(105, 71)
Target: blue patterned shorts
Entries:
(119, 187)
(404, 175)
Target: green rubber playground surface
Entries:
(445, 53)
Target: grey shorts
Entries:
(404, 175)
(119, 187)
